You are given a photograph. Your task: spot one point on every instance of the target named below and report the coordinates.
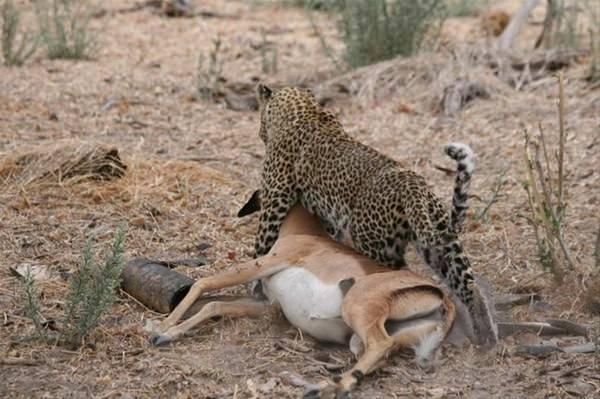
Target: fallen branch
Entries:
(514, 26)
(459, 94)
(510, 300)
(569, 327)
(495, 195)
(506, 329)
(18, 361)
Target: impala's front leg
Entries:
(241, 307)
(244, 273)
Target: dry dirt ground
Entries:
(191, 164)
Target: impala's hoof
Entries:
(160, 339)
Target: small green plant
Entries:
(65, 28)
(91, 293)
(268, 53)
(92, 290)
(15, 55)
(377, 30)
(546, 196)
(208, 79)
(33, 309)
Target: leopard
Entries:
(362, 197)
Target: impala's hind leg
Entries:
(342, 385)
(241, 307)
(378, 346)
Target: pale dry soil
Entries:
(191, 164)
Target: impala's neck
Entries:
(299, 221)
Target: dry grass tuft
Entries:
(74, 163)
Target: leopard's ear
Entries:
(263, 93)
(251, 206)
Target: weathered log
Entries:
(155, 285)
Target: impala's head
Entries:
(297, 221)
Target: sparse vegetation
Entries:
(91, 293)
(33, 309)
(92, 290)
(563, 26)
(463, 8)
(268, 53)
(495, 197)
(546, 196)
(593, 12)
(65, 28)
(376, 30)
(15, 54)
(208, 78)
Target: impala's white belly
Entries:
(308, 303)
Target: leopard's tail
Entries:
(465, 158)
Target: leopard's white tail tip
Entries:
(465, 164)
(463, 154)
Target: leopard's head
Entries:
(286, 110)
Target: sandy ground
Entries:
(191, 164)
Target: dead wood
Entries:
(17, 361)
(506, 329)
(459, 94)
(538, 351)
(516, 23)
(505, 301)
(588, 347)
(569, 327)
(546, 60)
(548, 24)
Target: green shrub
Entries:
(92, 290)
(15, 55)
(65, 28)
(463, 8)
(33, 310)
(91, 293)
(377, 30)
(208, 78)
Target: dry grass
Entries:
(191, 164)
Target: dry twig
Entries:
(547, 205)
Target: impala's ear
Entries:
(263, 93)
(251, 206)
(345, 285)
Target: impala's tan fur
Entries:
(377, 296)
